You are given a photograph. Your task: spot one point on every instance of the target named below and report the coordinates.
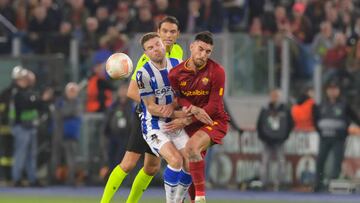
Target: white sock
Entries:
(171, 181)
(184, 184)
(181, 191)
(170, 192)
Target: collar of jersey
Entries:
(185, 65)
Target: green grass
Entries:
(44, 199)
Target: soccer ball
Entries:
(119, 66)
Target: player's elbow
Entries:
(212, 111)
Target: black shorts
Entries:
(136, 142)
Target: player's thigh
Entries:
(179, 139)
(198, 142)
(172, 156)
(129, 161)
(161, 144)
(156, 140)
(207, 135)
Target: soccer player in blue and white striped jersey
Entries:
(157, 103)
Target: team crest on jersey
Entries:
(205, 80)
(155, 138)
(183, 83)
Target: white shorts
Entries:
(157, 138)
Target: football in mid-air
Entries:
(119, 66)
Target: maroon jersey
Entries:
(204, 88)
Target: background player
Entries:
(168, 30)
(199, 85)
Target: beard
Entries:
(199, 62)
(158, 59)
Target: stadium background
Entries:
(255, 62)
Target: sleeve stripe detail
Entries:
(221, 91)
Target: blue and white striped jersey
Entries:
(154, 82)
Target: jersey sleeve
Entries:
(141, 62)
(216, 93)
(143, 83)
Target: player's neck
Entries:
(160, 65)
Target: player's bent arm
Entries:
(133, 91)
(177, 124)
(216, 93)
(179, 114)
(187, 117)
(199, 114)
(154, 109)
(195, 113)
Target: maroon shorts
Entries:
(216, 132)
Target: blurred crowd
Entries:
(40, 128)
(320, 31)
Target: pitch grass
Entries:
(42, 199)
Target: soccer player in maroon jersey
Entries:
(199, 84)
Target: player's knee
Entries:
(191, 150)
(176, 161)
(151, 170)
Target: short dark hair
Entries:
(169, 19)
(332, 83)
(205, 36)
(146, 37)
